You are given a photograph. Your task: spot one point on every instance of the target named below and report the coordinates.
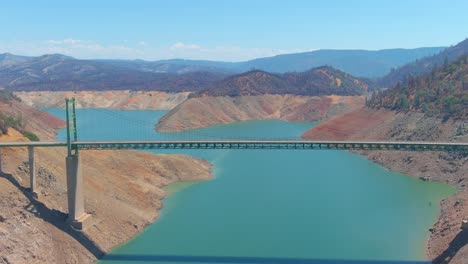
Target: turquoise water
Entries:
(277, 206)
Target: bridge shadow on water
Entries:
(260, 260)
(55, 217)
(460, 240)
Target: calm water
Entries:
(280, 206)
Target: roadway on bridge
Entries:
(251, 144)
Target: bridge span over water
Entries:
(76, 213)
(250, 144)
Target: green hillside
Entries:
(442, 92)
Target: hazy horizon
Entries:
(225, 31)
(185, 59)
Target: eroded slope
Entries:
(452, 168)
(207, 111)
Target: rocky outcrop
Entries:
(130, 100)
(364, 124)
(207, 111)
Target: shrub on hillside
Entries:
(31, 136)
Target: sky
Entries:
(224, 30)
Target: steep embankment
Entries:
(123, 192)
(131, 100)
(367, 124)
(207, 111)
(25, 118)
(305, 96)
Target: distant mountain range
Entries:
(59, 72)
(177, 66)
(424, 65)
(323, 80)
(362, 63)
(21, 72)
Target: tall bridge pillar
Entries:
(77, 216)
(32, 170)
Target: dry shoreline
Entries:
(123, 192)
(445, 238)
(122, 99)
(202, 112)
(382, 125)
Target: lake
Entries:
(274, 206)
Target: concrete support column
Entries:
(76, 212)
(32, 169)
(1, 168)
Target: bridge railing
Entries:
(252, 144)
(289, 144)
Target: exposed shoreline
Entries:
(121, 99)
(123, 192)
(429, 166)
(202, 112)
(449, 168)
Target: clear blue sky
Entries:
(225, 30)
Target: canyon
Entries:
(342, 117)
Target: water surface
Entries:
(274, 206)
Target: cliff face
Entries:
(452, 168)
(131, 100)
(207, 111)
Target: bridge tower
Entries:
(77, 216)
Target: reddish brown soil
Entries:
(122, 190)
(447, 243)
(350, 125)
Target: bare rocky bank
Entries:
(123, 192)
(446, 240)
(206, 111)
(130, 100)
(343, 119)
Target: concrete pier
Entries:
(1, 168)
(464, 225)
(32, 169)
(77, 216)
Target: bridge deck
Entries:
(253, 144)
(34, 144)
(275, 144)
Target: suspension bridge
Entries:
(76, 213)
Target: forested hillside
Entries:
(424, 65)
(442, 92)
